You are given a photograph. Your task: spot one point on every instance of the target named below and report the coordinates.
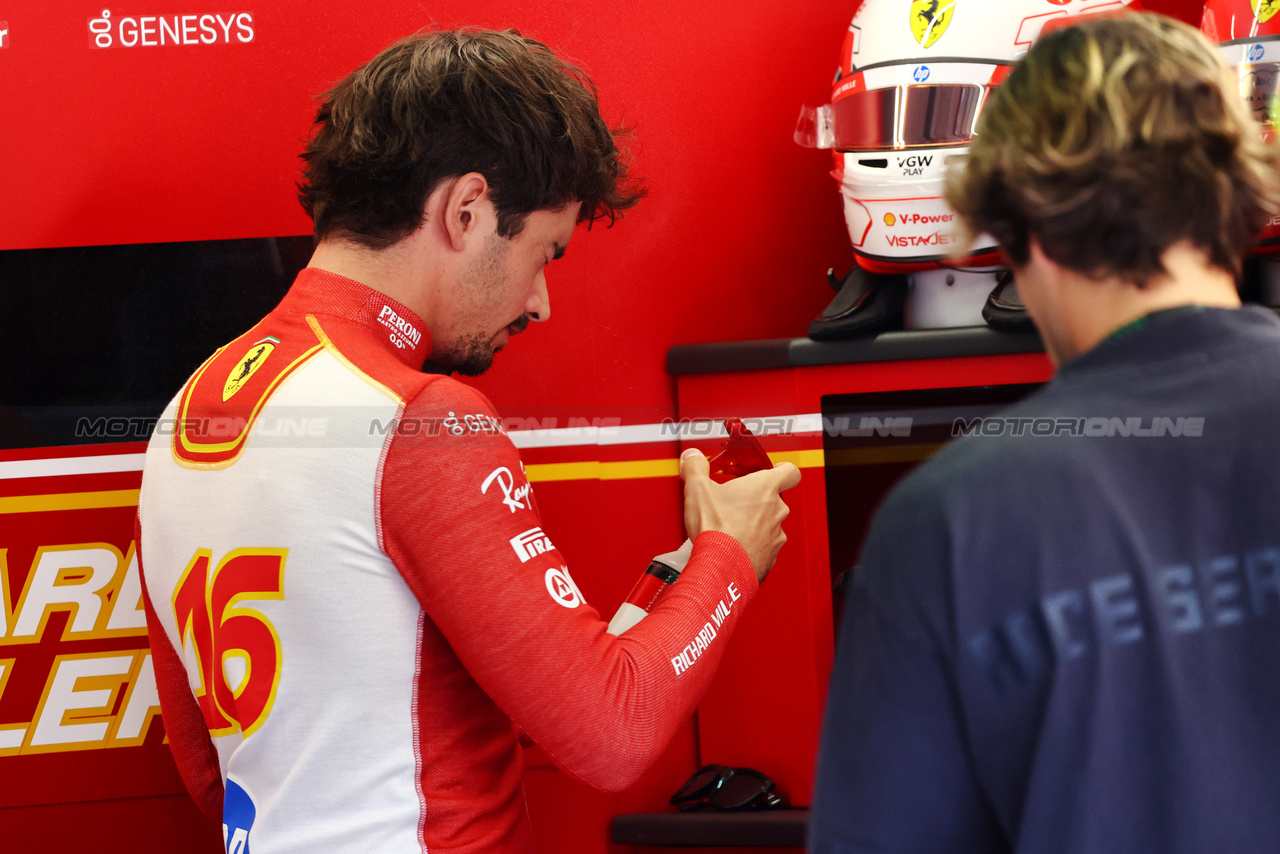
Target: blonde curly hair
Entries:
(1113, 140)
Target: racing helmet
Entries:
(912, 81)
(1247, 33)
(914, 76)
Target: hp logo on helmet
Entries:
(921, 73)
(1256, 52)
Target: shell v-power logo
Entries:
(116, 29)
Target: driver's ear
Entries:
(465, 206)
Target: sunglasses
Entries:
(728, 789)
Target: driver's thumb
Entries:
(693, 464)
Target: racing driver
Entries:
(349, 632)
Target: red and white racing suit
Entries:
(353, 606)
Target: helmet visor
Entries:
(917, 116)
(1258, 88)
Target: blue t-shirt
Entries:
(1064, 631)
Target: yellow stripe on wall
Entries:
(813, 459)
(69, 501)
(595, 470)
(537, 473)
(638, 469)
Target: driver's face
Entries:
(503, 288)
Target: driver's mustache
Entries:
(519, 324)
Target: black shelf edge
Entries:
(766, 829)
(884, 347)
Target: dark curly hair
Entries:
(438, 105)
(1113, 140)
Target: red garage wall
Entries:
(145, 144)
(141, 144)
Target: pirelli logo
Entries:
(530, 544)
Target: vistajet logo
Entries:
(938, 238)
(116, 30)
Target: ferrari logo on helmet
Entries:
(1264, 10)
(930, 18)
